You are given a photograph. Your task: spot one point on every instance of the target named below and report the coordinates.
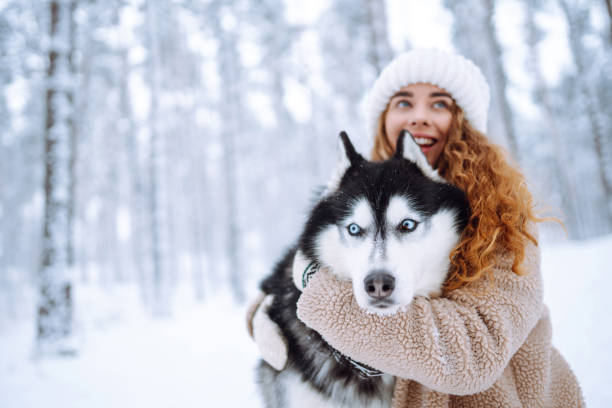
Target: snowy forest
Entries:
(161, 153)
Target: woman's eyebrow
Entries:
(409, 94)
(403, 93)
(437, 94)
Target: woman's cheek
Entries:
(393, 126)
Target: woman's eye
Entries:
(354, 230)
(408, 225)
(440, 104)
(403, 104)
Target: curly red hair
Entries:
(502, 206)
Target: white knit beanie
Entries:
(454, 73)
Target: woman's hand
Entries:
(267, 335)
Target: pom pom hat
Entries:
(457, 75)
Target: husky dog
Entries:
(387, 226)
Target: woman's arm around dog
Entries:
(458, 344)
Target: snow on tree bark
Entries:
(136, 195)
(231, 112)
(476, 38)
(156, 162)
(609, 8)
(577, 19)
(379, 49)
(72, 138)
(541, 95)
(499, 77)
(55, 307)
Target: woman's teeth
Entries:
(423, 141)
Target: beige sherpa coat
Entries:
(463, 350)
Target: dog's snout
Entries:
(379, 285)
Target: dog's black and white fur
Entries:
(388, 227)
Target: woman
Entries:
(487, 341)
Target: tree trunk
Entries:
(379, 49)
(6, 291)
(609, 7)
(199, 227)
(158, 298)
(499, 78)
(55, 308)
(73, 141)
(153, 207)
(568, 193)
(232, 113)
(474, 36)
(136, 199)
(591, 104)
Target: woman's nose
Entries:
(419, 116)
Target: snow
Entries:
(576, 291)
(203, 356)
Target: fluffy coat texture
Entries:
(485, 345)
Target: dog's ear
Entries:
(407, 148)
(347, 157)
(349, 150)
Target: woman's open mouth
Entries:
(425, 143)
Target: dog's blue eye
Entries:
(354, 229)
(408, 225)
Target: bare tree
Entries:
(5, 118)
(379, 48)
(499, 77)
(55, 308)
(73, 136)
(231, 111)
(551, 130)
(609, 8)
(475, 37)
(277, 36)
(577, 19)
(136, 199)
(154, 162)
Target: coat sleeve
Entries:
(459, 344)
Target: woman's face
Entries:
(425, 111)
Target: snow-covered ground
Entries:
(202, 357)
(577, 293)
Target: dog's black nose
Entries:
(379, 285)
